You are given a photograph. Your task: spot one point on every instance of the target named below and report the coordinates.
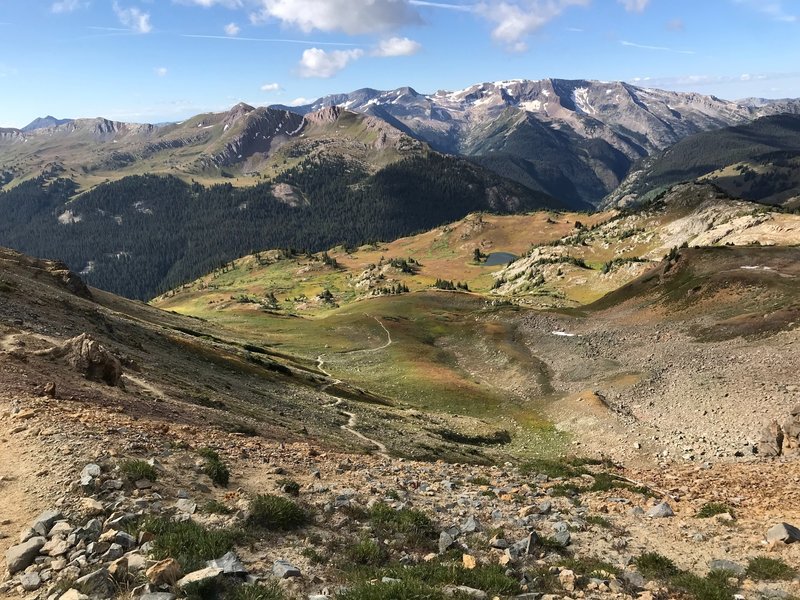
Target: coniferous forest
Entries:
(143, 235)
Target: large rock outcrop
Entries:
(90, 358)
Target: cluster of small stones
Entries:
(88, 548)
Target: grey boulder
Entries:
(783, 532)
(229, 563)
(660, 511)
(21, 556)
(284, 570)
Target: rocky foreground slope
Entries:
(104, 505)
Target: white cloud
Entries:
(516, 19)
(134, 19)
(656, 48)
(634, 5)
(772, 8)
(67, 6)
(319, 63)
(299, 101)
(349, 16)
(397, 46)
(161, 71)
(270, 87)
(232, 29)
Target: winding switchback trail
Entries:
(352, 418)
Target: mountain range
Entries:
(574, 139)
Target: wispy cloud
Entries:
(232, 29)
(634, 5)
(271, 87)
(299, 101)
(444, 5)
(515, 20)
(67, 6)
(133, 18)
(705, 80)
(773, 9)
(397, 46)
(323, 64)
(266, 40)
(655, 48)
(161, 71)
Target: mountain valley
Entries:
(530, 339)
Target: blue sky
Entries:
(161, 60)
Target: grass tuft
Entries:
(134, 470)
(215, 507)
(711, 509)
(217, 470)
(554, 469)
(276, 513)
(714, 586)
(271, 591)
(403, 590)
(188, 542)
(655, 566)
(599, 521)
(604, 482)
(366, 553)
(769, 569)
(416, 529)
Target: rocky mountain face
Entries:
(575, 139)
(757, 161)
(244, 143)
